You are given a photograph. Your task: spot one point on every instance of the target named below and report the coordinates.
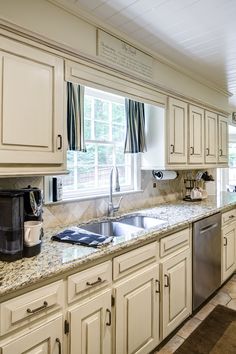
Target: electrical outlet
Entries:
(154, 185)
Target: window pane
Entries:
(68, 180)
(118, 113)
(120, 156)
(101, 110)
(87, 107)
(86, 177)
(87, 129)
(104, 176)
(101, 131)
(118, 132)
(70, 159)
(105, 155)
(86, 158)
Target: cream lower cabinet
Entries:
(46, 339)
(176, 291)
(90, 324)
(137, 312)
(228, 250)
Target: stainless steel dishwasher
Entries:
(206, 258)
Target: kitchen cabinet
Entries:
(137, 312)
(31, 97)
(177, 131)
(196, 135)
(176, 291)
(211, 136)
(90, 324)
(46, 339)
(228, 244)
(223, 139)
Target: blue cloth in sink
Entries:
(76, 235)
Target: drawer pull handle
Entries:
(99, 280)
(167, 284)
(191, 150)
(231, 216)
(207, 151)
(157, 286)
(45, 304)
(172, 147)
(60, 142)
(226, 241)
(59, 345)
(109, 318)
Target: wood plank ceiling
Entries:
(197, 34)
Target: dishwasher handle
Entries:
(208, 228)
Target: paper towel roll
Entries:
(164, 175)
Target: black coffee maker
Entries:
(11, 224)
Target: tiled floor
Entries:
(225, 296)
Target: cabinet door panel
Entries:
(137, 313)
(90, 329)
(176, 280)
(43, 340)
(177, 131)
(223, 139)
(196, 135)
(229, 251)
(31, 97)
(211, 137)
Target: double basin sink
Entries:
(124, 226)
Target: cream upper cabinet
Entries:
(196, 135)
(137, 313)
(90, 324)
(176, 291)
(211, 137)
(177, 131)
(31, 100)
(223, 139)
(46, 339)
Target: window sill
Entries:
(99, 196)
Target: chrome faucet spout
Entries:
(111, 207)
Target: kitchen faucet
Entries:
(111, 207)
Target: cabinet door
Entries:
(223, 139)
(196, 135)
(211, 142)
(177, 131)
(91, 326)
(176, 290)
(31, 101)
(137, 313)
(46, 339)
(228, 251)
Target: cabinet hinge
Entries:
(66, 327)
(112, 300)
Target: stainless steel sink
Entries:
(111, 228)
(141, 221)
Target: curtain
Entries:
(75, 117)
(135, 120)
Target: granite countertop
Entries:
(57, 258)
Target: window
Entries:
(227, 176)
(105, 130)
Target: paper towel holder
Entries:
(164, 175)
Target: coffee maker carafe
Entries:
(33, 204)
(11, 224)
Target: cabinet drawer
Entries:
(89, 280)
(27, 308)
(172, 243)
(133, 260)
(228, 217)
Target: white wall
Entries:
(48, 20)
